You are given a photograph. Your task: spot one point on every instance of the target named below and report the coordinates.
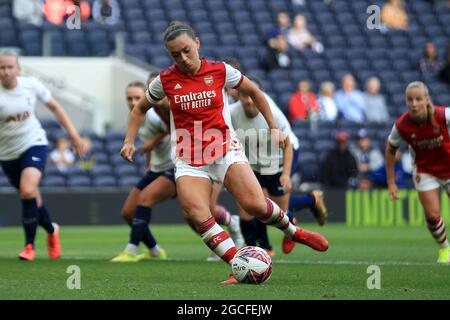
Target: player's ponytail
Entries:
(430, 107)
(177, 28)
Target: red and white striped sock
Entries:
(217, 239)
(437, 229)
(277, 218)
(222, 216)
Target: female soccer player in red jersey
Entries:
(207, 148)
(426, 129)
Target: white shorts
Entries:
(215, 171)
(427, 182)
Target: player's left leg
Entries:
(435, 223)
(242, 183)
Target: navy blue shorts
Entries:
(294, 166)
(271, 182)
(35, 157)
(151, 176)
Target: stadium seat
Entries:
(307, 157)
(8, 38)
(76, 172)
(100, 158)
(4, 182)
(79, 181)
(104, 181)
(128, 181)
(125, 169)
(309, 172)
(52, 181)
(100, 169)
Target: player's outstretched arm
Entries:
(285, 178)
(249, 88)
(135, 120)
(78, 144)
(390, 171)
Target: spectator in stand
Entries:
(375, 109)
(350, 101)
(62, 157)
(28, 11)
(444, 74)
(369, 160)
(339, 167)
(303, 102)
(283, 24)
(54, 11)
(85, 9)
(328, 108)
(430, 64)
(277, 53)
(393, 15)
(106, 11)
(300, 38)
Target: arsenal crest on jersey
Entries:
(209, 80)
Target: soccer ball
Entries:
(251, 265)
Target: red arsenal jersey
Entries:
(199, 109)
(430, 148)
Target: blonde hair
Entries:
(9, 53)
(326, 85)
(430, 106)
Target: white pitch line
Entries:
(305, 262)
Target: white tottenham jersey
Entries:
(292, 137)
(254, 134)
(160, 157)
(19, 127)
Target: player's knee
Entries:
(194, 212)
(27, 191)
(433, 216)
(255, 208)
(127, 215)
(148, 200)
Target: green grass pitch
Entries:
(406, 257)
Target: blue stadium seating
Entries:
(79, 181)
(240, 28)
(104, 181)
(53, 181)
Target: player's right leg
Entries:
(224, 218)
(129, 206)
(435, 223)
(28, 192)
